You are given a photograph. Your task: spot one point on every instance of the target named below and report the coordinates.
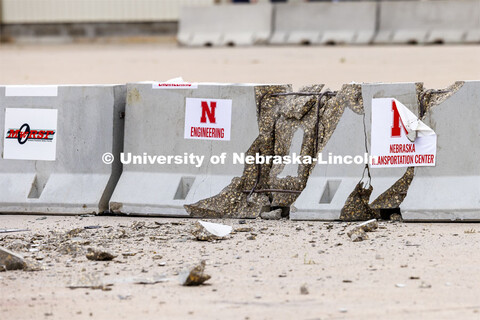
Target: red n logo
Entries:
(397, 121)
(208, 112)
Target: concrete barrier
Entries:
(239, 24)
(330, 184)
(450, 190)
(442, 21)
(324, 23)
(155, 125)
(60, 172)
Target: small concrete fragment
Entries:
(99, 255)
(207, 231)
(272, 215)
(11, 260)
(304, 290)
(195, 277)
(358, 235)
(359, 232)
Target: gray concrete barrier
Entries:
(72, 179)
(324, 23)
(155, 125)
(443, 21)
(330, 184)
(220, 25)
(450, 190)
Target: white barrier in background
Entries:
(71, 178)
(155, 125)
(324, 23)
(239, 24)
(442, 21)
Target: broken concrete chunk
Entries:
(207, 231)
(358, 235)
(369, 226)
(304, 289)
(11, 260)
(99, 255)
(89, 281)
(356, 207)
(272, 215)
(195, 276)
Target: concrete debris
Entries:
(272, 215)
(12, 230)
(11, 260)
(359, 232)
(151, 280)
(195, 276)
(425, 285)
(207, 231)
(356, 206)
(304, 289)
(358, 235)
(396, 217)
(99, 255)
(243, 229)
(89, 281)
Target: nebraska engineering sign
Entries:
(399, 138)
(208, 119)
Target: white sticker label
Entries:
(30, 134)
(208, 119)
(178, 85)
(399, 138)
(31, 91)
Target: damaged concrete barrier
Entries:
(230, 25)
(324, 23)
(292, 125)
(221, 119)
(53, 146)
(332, 184)
(443, 21)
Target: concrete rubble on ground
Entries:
(207, 231)
(359, 232)
(194, 276)
(272, 215)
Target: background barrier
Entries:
(239, 24)
(88, 126)
(324, 23)
(155, 124)
(429, 21)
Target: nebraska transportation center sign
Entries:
(399, 138)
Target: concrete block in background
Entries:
(324, 23)
(443, 21)
(221, 25)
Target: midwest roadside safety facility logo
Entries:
(30, 134)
